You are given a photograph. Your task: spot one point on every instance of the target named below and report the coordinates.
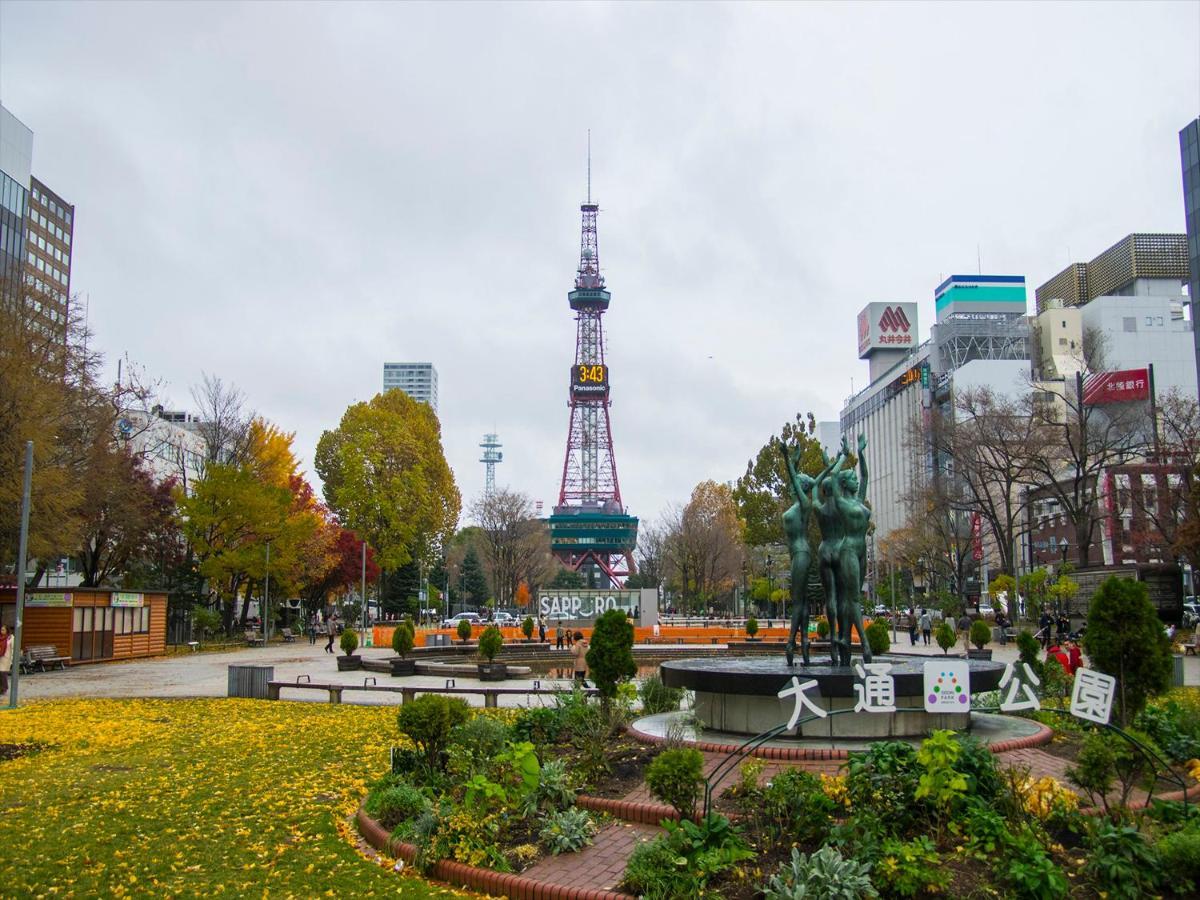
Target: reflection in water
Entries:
(557, 670)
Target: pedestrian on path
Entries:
(964, 628)
(926, 626)
(6, 658)
(312, 629)
(912, 627)
(332, 630)
(558, 636)
(542, 629)
(579, 654)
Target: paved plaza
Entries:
(205, 674)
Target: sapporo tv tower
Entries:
(590, 531)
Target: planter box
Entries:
(985, 653)
(493, 671)
(403, 667)
(349, 663)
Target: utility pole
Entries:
(22, 548)
(364, 586)
(266, 619)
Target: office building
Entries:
(1189, 152)
(417, 379)
(1136, 263)
(36, 231)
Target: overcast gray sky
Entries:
(287, 195)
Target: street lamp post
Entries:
(267, 598)
(770, 586)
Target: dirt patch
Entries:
(627, 760)
(15, 751)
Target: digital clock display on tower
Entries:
(589, 379)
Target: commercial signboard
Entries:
(41, 599)
(980, 294)
(1116, 387)
(976, 537)
(887, 326)
(125, 598)
(585, 604)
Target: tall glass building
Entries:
(16, 159)
(1189, 151)
(417, 379)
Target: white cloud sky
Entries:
(289, 195)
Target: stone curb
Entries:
(1043, 736)
(1173, 797)
(500, 884)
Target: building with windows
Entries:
(16, 160)
(168, 442)
(417, 379)
(1189, 152)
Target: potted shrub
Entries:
(944, 635)
(349, 643)
(402, 642)
(490, 643)
(979, 635)
(878, 638)
(464, 630)
(751, 629)
(527, 628)
(822, 628)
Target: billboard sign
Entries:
(125, 598)
(583, 604)
(1116, 387)
(40, 599)
(887, 326)
(976, 537)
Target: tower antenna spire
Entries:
(589, 165)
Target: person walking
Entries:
(926, 626)
(1002, 626)
(579, 654)
(6, 657)
(964, 628)
(1045, 623)
(912, 626)
(312, 629)
(558, 636)
(570, 638)
(331, 630)
(542, 629)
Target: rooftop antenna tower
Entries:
(491, 455)
(590, 531)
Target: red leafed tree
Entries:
(346, 569)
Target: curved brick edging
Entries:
(628, 810)
(1043, 735)
(500, 884)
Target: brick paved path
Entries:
(598, 867)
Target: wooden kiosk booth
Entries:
(90, 624)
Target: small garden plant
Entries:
(980, 634)
(527, 628)
(463, 630)
(944, 636)
(490, 642)
(751, 626)
(349, 641)
(402, 638)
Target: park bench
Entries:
(288, 637)
(1189, 649)
(42, 658)
(408, 694)
(253, 638)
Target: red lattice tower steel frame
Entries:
(589, 479)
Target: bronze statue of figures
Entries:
(795, 526)
(838, 497)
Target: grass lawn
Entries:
(154, 797)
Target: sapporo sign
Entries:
(580, 603)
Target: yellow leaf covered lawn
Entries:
(226, 797)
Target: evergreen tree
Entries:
(610, 656)
(568, 578)
(399, 590)
(474, 582)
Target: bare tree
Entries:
(1174, 508)
(1076, 444)
(707, 549)
(224, 419)
(514, 542)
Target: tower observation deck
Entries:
(590, 531)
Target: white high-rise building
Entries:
(417, 379)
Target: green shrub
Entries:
(1174, 728)
(542, 725)
(1180, 855)
(1120, 862)
(752, 626)
(822, 628)
(882, 784)
(463, 630)
(567, 830)
(657, 697)
(943, 635)
(878, 638)
(1028, 650)
(911, 868)
(473, 743)
(399, 802)
(710, 846)
(428, 721)
(1105, 759)
(980, 634)
(1125, 639)
(677, 777)
(826, 874)
(795, 805)
(941, 784)
(1035, 876)
(527, 627)
(349, 641)
(490, 642)
(555, 788)
(402, 638)
(657, 872)
(748, 774)
(610, 652)
(978, 764)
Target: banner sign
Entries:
(947, 686)
(1116, 387)
(48, 599)
(124, 598)
(976, 537)
(581, 603)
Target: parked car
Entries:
(1191, 614)
(452, 622)
(504, 620)
(987, 611)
